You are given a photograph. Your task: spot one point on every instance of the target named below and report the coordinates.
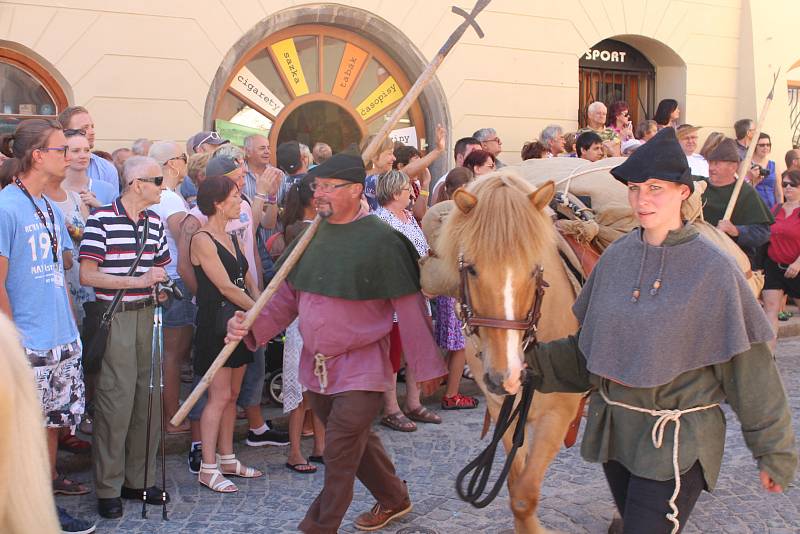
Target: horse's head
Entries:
(496, 236)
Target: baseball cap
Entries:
(212, 138)
(288, 155)
(220, 166)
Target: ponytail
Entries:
(5, 144)
(30, 135)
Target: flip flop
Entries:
(297, 468)
(316, 459)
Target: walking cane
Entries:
(305, 239)
(156, 348)
(160, 313)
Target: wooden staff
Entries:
(249, 318)
(744, 168)
(308, 235)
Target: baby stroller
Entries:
(273, 362)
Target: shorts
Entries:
(775, 279)
(59, 381)
(180, 313)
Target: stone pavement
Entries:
(575, 497)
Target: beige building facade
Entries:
(333, 71)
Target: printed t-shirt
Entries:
(35, 283)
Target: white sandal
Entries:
(239, 469)
(218, 482)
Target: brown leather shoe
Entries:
(378, 517)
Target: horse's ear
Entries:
(542, 196)
(464, 200)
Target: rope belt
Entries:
(321, 370)
(657, 435)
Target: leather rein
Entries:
(479, 469)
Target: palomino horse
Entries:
(499, 228)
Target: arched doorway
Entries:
(314, 82)
(614, 71)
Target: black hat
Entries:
(342, 166)
(288, 155)
(725, 151)
(661, 157)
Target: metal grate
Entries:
(794, 115)
(609, 86)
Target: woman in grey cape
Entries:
(669, 331)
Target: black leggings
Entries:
(644, 503)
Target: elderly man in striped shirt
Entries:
(113, 236)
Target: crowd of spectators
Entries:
(210, 219)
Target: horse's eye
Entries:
(471, 270)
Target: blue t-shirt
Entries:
(35, 284)
(103, 170)
(103, 191)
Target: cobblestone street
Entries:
(575, 497)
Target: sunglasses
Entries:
(213, 136)
(788, 184)
(181, 157)
(327, 188)
(62, 149)
(70, 132)
(764, 145)
(155, 180)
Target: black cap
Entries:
(288, 155)
(661, 157)
(342, 166)
(725, 151)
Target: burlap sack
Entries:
(434, 277)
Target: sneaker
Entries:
(73, 525)
(378, 517)
(195, 459)
(459, 402)
(270, 437)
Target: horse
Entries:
(498, 231)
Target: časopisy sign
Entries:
(384, 96)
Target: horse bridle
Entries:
(471, 322)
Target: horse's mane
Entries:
(519, 236)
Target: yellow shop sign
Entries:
(289, 62)
(384, 96)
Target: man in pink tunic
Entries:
(356, 272)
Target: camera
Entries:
(762, 172)
(171, 288)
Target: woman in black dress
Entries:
(221, 271)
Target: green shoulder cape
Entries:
(362, 260)
(749, 209)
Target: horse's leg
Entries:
(550, 417)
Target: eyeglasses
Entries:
(155, 180)
(788, 184)
(327, 188)
(62, 149)
(496, 139)
(181, 157)
(70, 132)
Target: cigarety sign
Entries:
(247, 85)
(407, 136)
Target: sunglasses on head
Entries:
(213, 136)
(155, 180)
(70, 132)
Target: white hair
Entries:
(550, 133)
(231, 151)
(595, 106)
(484, 133)
(141, 146)
(135, 165)
(161, 151)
